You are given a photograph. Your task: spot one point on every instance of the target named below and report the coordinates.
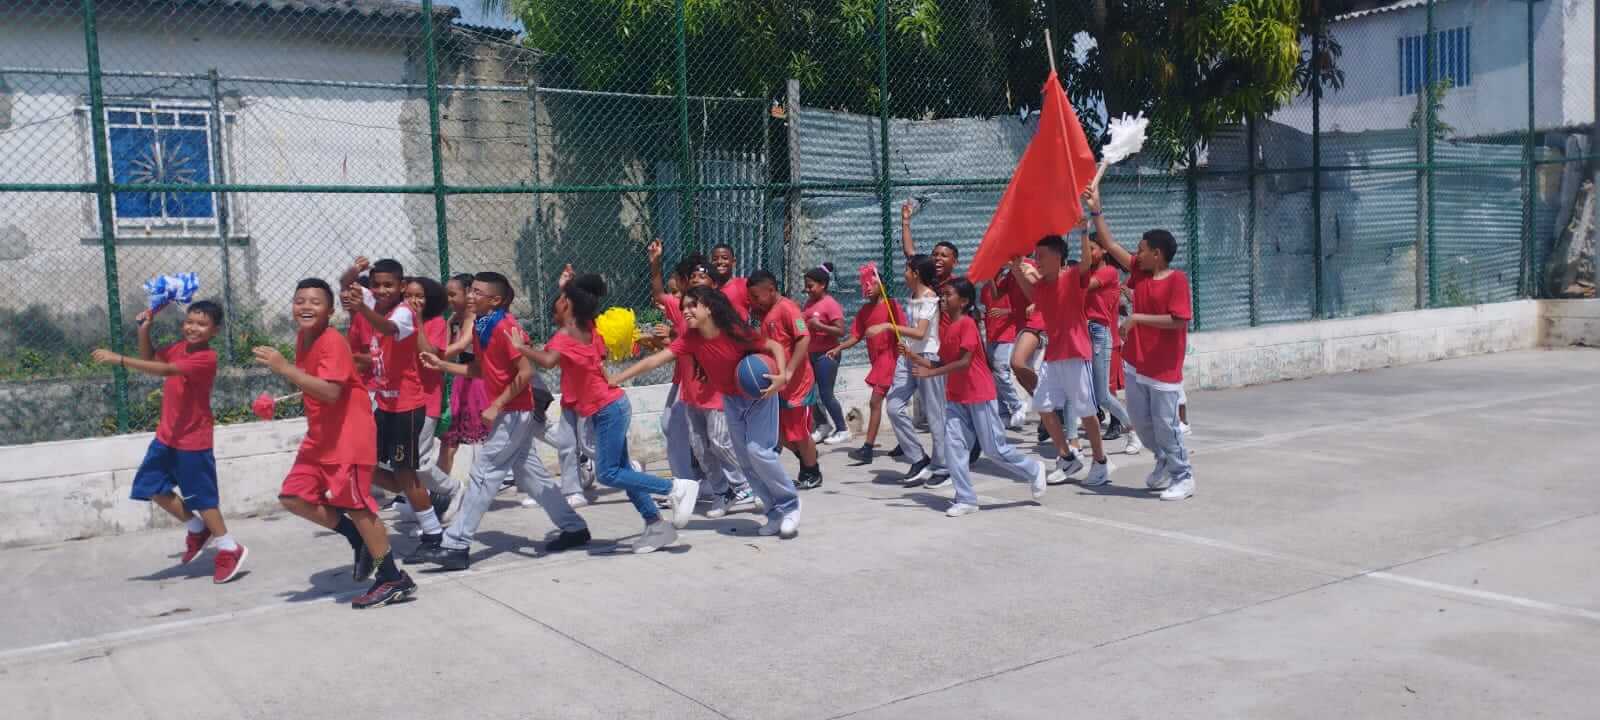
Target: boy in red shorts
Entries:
(331, 481)
(781, 321)
(180, 456)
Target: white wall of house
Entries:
(276, 134)
(1496, 100)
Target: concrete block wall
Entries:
(56, 491)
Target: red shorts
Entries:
(794, 424)
(881, 376)
(341, 486)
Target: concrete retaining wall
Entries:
(55, 491)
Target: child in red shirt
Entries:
(717, 341)
(881, 354)
(330, 483)
(426, 298)
(580, 352)
(825, 319)
(781, 321)
(181, 455)
(1157, 336)
(970, 414)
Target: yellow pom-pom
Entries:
(620, 330)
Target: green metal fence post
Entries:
(1318, 309)
(885, 185)
(1430, 60)
(440, 222)
(108, 230)
(1191, 220)
(686, 164)
(1254, 207)
(1525, 259)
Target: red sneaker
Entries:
(228, 564)
(194, 544)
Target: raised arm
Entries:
(1026, 276)
(379, 323)
(1102, 231)
(906, 245)
(463, 343)
(147, 350)
(658, 286)
(350, 274)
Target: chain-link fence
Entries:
(1316, 159)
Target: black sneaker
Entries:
(1112, 431)
(937, 479)
(897, 453)
(862, 455)
(808, 480)
(441, 504)
(1044, 435)
(364, 565)
(917, 475)
(428, 540)
(384, 592)
(568, 540)
(445, 558)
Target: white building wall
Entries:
(279, 134)
(1496, 100)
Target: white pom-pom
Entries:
(1127, 138)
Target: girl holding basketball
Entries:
(580, 352)
(724, 348)
(970, 416)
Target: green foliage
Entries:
(1431, 100)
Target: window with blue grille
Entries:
(1452, 55)
(155, 143)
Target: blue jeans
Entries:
(827, 370)
(1100, 336)
(611, 460)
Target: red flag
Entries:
(1043, 196)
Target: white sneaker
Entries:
(1180, 490)
(719, 507)
(656, 535)
(818, 434)
(1099, 474)
(959, 509)
(839, 438)
(1018, 419)
(773, 527)
(1069, 467)
(1134, 447)
(1040, 480)
(575, 500)
(530, 502)
(790, 527)
(1184, 427)
(745, 499)
(684, 493)
(1158, 478)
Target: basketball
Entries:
(753, 372)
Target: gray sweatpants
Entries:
(1005, 391)
(978, 422)
(568, 437)
(1155, 418)
(509, 449)
(428, 447)
(699, 434)
(753, 424)
(931, 392)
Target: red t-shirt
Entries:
(1158, 353)
(584, 387)
(186, 397)
(975, 384)
(498, 363)
(827, 310)
(997, 296)
(396, 367)
(361, 344)
(879, 348)
(784, 324)
(719, 358)
(1100, 304)
(437, 331)
(1061, 302)
(686, 373)
(341, 432)
(738, 292)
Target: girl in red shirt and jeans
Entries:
(970, 416)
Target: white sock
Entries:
(226, 543)
(428, 521)
(195, 524)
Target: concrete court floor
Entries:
(1417, 542)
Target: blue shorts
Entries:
(192, 472)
